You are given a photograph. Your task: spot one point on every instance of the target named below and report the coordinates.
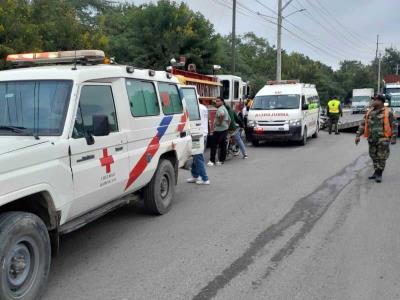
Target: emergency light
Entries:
(274, 82)
(88, 56)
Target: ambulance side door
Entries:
(192, 105)
(99, 163)
(306, 114)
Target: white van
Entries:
(76, 141)
(284, 111)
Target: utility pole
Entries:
(397, 69)
(279, 44)
(378, 61)
(234, 38)
(279, 39)
(377, 47)
(379, 73)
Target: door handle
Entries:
(119, 149)
(85, 158)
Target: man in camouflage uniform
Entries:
(378, 136)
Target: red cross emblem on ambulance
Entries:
(106, 160)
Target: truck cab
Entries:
(79, 138)
(232, 91)
(284, 111)
(361, 100)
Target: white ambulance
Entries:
(77, 141)
(285, 111)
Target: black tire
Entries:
(24, 249)
(255, 143)
(315, 135)
(303, 141)
(235, 150)
(159, 193)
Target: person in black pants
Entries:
(220, 135)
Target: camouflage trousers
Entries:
(379, 153)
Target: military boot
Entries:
(373, 177)
(379, 176)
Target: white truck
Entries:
(392, 90)
(76, 141)
(285, 111)
(361, 100)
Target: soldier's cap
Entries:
(380, 97)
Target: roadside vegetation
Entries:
(150, 35)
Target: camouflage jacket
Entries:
(376, 126)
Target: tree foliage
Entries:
(150, 35)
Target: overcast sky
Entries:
(328, 30)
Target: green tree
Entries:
(17, 33)
(150, 35)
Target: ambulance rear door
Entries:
(191, 99)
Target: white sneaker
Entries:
(192, 180)
(202, 182)
(218, 163)
(210, 164)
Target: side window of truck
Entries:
(236, 90)
(142, 98)
(170, 98)
(94, 100)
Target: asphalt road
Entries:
(290, 222)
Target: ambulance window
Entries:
(236, 90)
(170, 98)
(142, 98)
(192, 103)
(94, 100)
(225, 94)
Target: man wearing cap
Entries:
(380, 128)
(334, 113)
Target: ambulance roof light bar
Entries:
(275, 82)
(81, 56)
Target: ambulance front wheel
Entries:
(159, 193)
(25, 255)
(303, 140)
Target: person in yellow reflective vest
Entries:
(334, 114)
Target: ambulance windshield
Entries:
(273, 102)
(37, 106)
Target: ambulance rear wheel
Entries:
(25, 255)
(315, 135)
(159, 193)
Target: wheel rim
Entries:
(20, 267)
(164, 186)
(305, 135)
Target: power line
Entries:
(246, 11)
(333, 28)
(353, 34)
(340, 52)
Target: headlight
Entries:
(296, 122)
(252, 124)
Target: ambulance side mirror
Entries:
(304, 107)
(101, 126)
